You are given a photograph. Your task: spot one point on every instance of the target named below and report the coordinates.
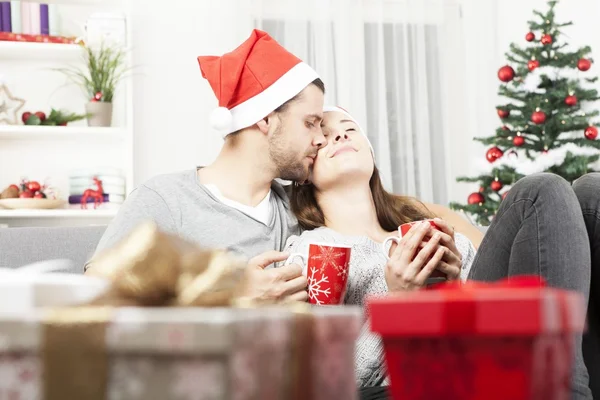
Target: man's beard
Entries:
(290, 167)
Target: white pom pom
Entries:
(221, 118)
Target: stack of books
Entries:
(112, 181)
(29, 18)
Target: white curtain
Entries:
(391, 63)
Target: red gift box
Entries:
(509, 340)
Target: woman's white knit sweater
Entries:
(366, 278)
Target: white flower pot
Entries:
(101, 113)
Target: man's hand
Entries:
(284, 283)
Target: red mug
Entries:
(403, 229)
(327, 269)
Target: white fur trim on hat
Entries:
(254, 109)
(221, 118)
(341, 110)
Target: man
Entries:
(270, 109)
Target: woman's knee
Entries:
(587, 189)
(543, 182)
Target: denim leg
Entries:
(539, 230)
(587, 189)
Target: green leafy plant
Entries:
(105, 67)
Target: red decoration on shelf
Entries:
(503, 113)
(25, 116)
(97, 195)
(506, 73)
(546, 39)
(584, 64)
(97, 96)
(21, 37)
(41, 115)
(591, 132)
(530, 37)
(518, 141)
(493, 154)
(533, 64)
(496, 185)
(34, 186)
(475, 198)
(571, 100)
(538, 117)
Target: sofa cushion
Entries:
(22, 246)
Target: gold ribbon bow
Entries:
(154, 268)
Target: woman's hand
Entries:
(451, 263)
(408, 267)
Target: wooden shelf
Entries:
(36, 132)
(58, 213)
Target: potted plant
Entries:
(105, 67)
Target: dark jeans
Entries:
(545, 227)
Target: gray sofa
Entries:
(22, 246)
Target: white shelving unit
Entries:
(24, 132)
(37, 51)
(52, 152)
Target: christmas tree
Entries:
(546, 123)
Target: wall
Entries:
(173, 101)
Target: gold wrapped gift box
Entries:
(172, 327)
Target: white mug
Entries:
(296, 255)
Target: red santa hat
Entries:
(252, 81)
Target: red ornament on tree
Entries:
(546, 39)
(496, 185)
(584, 64)
(493, 154)
(518, 141)
(475, 198)
(538, 117)
(505, 128)
(533, 64)
(506, 73)
(503, 113)
(591, 132)
(571, 100)
(530, 37)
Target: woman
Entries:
(539, 229)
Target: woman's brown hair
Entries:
(392, 210)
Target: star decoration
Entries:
(9, 106)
